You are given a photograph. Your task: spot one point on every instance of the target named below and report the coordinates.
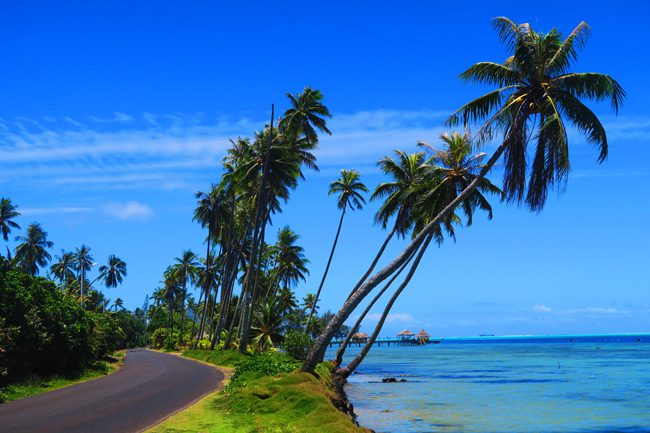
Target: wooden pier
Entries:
(387, 342)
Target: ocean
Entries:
(558, 384)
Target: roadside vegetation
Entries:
(267, 393)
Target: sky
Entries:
(115, 113)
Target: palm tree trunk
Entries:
(377, 257)
(341, 350)
(345, 372)
(327, 267)
(205, 289)
(183, 296)
(245, 332)
(317, 352)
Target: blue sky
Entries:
(113, 114)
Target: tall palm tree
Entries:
(349, 189)
(267, 324)
(186, 270)
(114, 272)
(535, 94)
(83, 261)
(63, 268)
(7, 213)
(118, 304)
(32, 252)
(306, 115)
(448, 172)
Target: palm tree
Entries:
(448, 173)
(114, 272)
(535, 94)
(291, 264)
(349, 188)
(83, 261)
(32, 252)
(267, 324)
(118, 304)
(7, 213)
(306, 115)
(186, 270)
(63, 268)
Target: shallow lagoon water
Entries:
(525, 385)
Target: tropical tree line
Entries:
(70, 269)
(428, 194)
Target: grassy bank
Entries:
(38, 385)
(266, 394)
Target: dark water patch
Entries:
(509, 381)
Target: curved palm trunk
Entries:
(194, 320)
(327, 268)
(345, 372)
(341, 350)
(320, 346)
(183, 296)
(377, 257)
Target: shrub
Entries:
(297, 344)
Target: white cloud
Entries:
(131, 210)
(593, 310)
(392, 318)
(541, 308)
(54, 210)
(184, 150)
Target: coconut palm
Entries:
(32, 253)
(114, 272)
(7, 214)
(63, 268)
(118, 304)
(266, 329)
(306, 115)
(290, 261)
(186, 270)
(83, 261)
(535, 94)
(349, 189)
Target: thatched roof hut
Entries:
(360, 337)
(423, 335)
(405, 334)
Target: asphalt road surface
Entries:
(146, 389)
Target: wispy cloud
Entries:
(541, 308)
(392, 318)
(184, 150)
(131, 210)
(54, 210)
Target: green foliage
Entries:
(297, 344)
(43, 331)
(263, 364)
(161, 339)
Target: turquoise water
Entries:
(543, 386)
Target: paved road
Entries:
(149, 387)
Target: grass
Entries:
(37, 385)
(265, 395)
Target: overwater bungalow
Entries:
(423, 336)
(405, 335)
(360, 337)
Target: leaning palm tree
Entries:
(7, 213)
(114, 272)
(535, 95)
(32, 252)
(63, 268)
(349, 189)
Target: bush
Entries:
(263, 364)
(161, 339)
(43, 331)
(297, 344)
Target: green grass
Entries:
(265, 395)
(37, 385)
